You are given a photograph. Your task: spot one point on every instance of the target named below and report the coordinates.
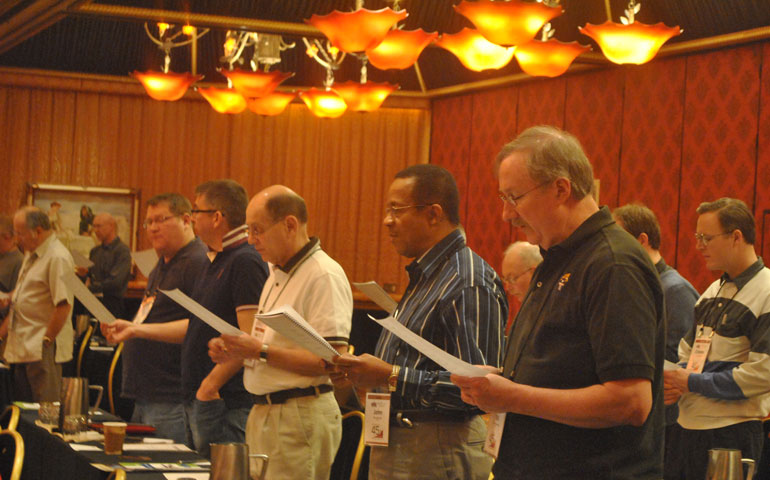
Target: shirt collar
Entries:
(661, 266)
(43, 247)
(303, 252)
(113, 244)
(235, 238)
(590, 226)
(745, 276)
(434, 258)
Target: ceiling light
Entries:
(359, 30)
(165, 86)
(324, 103)
(364, 97)
(400, 48)
(474, 51)
(255, 84)
(224, 100)
(273, 104)
(513, 22)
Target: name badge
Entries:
(258, 332)
(494, 434)
(700, 349)
(144, 309)
(377, 419)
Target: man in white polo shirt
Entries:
(38, 328)
(295, 419)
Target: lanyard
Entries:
(288, 279)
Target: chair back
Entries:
(111, 377)
(348, 460)
(117, 474)
(10, 418)
(11, 454)
(83, 343)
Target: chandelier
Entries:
(513, 22)
(547, 57)
(474, 51)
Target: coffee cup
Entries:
(114, 434)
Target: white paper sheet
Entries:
(78, 288)
(80, 260)
(187, 476)
(378, 295)
(201, 312)
(449, 362)
(670, 365)
(155, 447)
(80, 447)
(286, 321)
(145, 260)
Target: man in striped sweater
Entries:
(724, 391)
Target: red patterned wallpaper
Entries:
(762, 199)
(651, 153)
(719, 145)
(450, 141)
(541, 103)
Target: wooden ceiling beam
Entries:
(31, 19)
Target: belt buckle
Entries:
(403, 421)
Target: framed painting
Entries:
(71, 210)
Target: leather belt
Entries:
(282, 395)
(407, 418)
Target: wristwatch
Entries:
(393, 378)
(263, 352)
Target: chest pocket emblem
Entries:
(563, 281)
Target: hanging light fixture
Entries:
(165, 85)
(364, 97)
(255, 84)
(632, 42)
(474, 51)
(547, 57)
(359, 30)
(513, 22)
(270, 105)
(224, 100)
(400, 48)
(324, 103)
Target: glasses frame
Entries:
(511, 279)
(394, 212)
(704, 239)
(151, 221)
(251, 231)
(512, 200)
(208, 210)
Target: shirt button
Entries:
(276, 284)
(539, 284)
(719, 304)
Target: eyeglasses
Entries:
(511, 279)
(256, 231)
(157, 220)
(514, 200)
(393, 211)
(210, 210)
(704, 239)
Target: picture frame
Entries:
(71, 209)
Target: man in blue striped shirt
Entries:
(456, 301)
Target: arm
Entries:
(122, 330)
(621, 402)
(58, 318)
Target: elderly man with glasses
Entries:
(580, 395)
(152, 369)
(723, 391)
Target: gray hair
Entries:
(529, 254)
(552, 153)
(34, 218)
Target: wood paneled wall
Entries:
(64, 130)
(670, 134)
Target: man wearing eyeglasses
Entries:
(723, 393)
(152, 368)
(580, 395)
(456, 301)
(520, 260)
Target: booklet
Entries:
(378, 295)
(201, 312)
(446, 360)
(79, 289)
(286, 321)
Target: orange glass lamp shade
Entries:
(400, 49)
(474, 51)
(364, 97)
(324, 103)
(273, 104)
(224, 100)
(357, 31)
(547, 59)
(635, 43)
(508, 23)
(255, 84)
(165, 86)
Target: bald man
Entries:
(108, 277)
(519, 262)
(295, 419)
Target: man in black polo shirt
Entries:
(582, 376)
(152, 369)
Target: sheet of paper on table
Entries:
(187, 476)
(156, 447)
(446, 360)
(286, 321)
(378, 295)
(164, 467)
(81, 447)
(81, 260)
(79, 289)
(27, 405)
(145, 260)
(201, 312)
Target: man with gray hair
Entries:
(37, 330)
(10, 256)
(520, 260)
(723, 393)
(581, 387)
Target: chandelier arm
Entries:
(191, 39)
(155, 40)
(609, 11)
